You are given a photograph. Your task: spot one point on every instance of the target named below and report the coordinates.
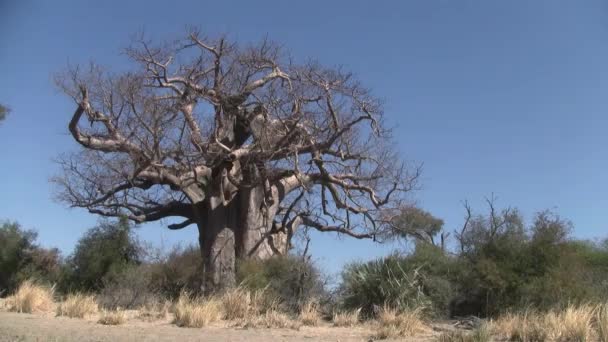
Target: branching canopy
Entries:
(202, 111)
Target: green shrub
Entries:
(105, 251)
(21, 259)
(387, 281)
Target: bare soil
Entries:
(46, 327)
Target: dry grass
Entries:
(154, 312)
(77, 306)
(114, 317)
(482, 334)
(309, 315)
(270, 319)
(236, 303)
(346, 319)
(392, 323)
(574, 323)
(31, 298)
(601, 322)
(196, 312)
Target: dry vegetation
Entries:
(392, 323)
(481, 334)
(574, 323)
(245, 308)
(31, 298)
(601, 321)
(113, 317)
(196, 312)
(310, 315)
(270, 319)
(155, 311)
(77, 306)
(346, 318)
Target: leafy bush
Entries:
(104, 252)
(21, 259)
(293, 281)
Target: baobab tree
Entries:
(240, 141)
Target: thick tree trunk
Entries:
(241, 228)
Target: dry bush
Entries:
(574, 323)
(113, 317)
(309, 315)
(236, 303)
(30, 298)
(527, 326)
(154, 311)
(601, 321)
(77, 306)
(392, 323)
(271, 319)
(346, 318)
(196, 312)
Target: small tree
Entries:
(103, 252)
(240, 141)
(21, 258)
(420, 225)
(3, 111)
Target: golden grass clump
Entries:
(309, 314)
(236, 303)
(392, 323)
(196, 312)
(113, 317)
(601, 322)
(77, 306)
(574, 323)
(31, 298)
(346, 319)
(527, 326)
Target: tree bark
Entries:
(239, 229)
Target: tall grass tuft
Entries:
(309, 314)
(574, 323)
(236, 303)
(113, 317)
(196, 312)
(31, 298)
(77, 306)
(393, 323)
(346, 318)
(601, 321)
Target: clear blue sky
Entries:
(509, 97)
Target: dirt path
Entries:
(26, 327)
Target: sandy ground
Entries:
(46, 327)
